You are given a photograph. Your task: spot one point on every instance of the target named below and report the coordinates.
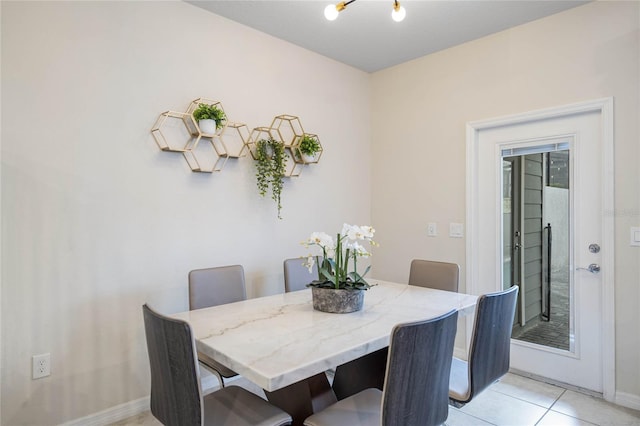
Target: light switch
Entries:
(456, 230)
(432, 229)
(635, 236)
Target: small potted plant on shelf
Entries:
(271, 162)
(340, 289)
(308, 148)
(209, 118)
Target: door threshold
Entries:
(558, 383)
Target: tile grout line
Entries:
(558, 398)
(568, 415)
(552, 404)
(530, 402)
(471, 415)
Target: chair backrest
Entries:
(416, 388)
(438, 275)
(491, 339)
(297, 276)
(216, 286)
(176, 398)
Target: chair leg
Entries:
(214, 372)
(456, 404)
(220, 379)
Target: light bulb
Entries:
(331, 12)
(398, 13)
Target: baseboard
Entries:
(557, 383)
(133, 408)
(627, 400)
(113, 414)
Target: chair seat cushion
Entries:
(360, 409)
(459, 386)
(236, 406)
(212, 363)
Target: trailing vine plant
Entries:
(270, 168)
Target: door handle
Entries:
(594, 268)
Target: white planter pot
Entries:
(308, 158)
(207, 126)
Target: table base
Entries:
(303, 398)
(362, 373)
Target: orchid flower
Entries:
(338, 254)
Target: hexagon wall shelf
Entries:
(234, 139)
(293, 169)
(208, 152)
(174, 131)
(261, 133)
(194, 105)
(288, 128)
(303, 158)
(206, 155)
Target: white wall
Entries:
(96, 220)
(419, 112)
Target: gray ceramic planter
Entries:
(337, 301)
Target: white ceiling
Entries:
(364, 35)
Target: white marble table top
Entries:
(278, 340)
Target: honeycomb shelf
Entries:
(206, 155)
(174, 131)
(288, 128)
(194, 105)
(234, 139)
(300, 157)
(205, 152)
(292, 168)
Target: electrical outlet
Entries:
(432, 229)
(41, 365)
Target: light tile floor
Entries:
(513, 401)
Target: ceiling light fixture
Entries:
(332, 11)
(398, 13)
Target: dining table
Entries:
(284, 346)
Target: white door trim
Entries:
(605, 108)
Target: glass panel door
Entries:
(536, 250)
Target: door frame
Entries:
(604, 107)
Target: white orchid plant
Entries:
(337, 256)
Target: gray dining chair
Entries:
(216, 286)
(489, 351)
(176, 395)
(432, 274)
(369, 370)
(212, 287)
(297, 276)
(416, 382)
